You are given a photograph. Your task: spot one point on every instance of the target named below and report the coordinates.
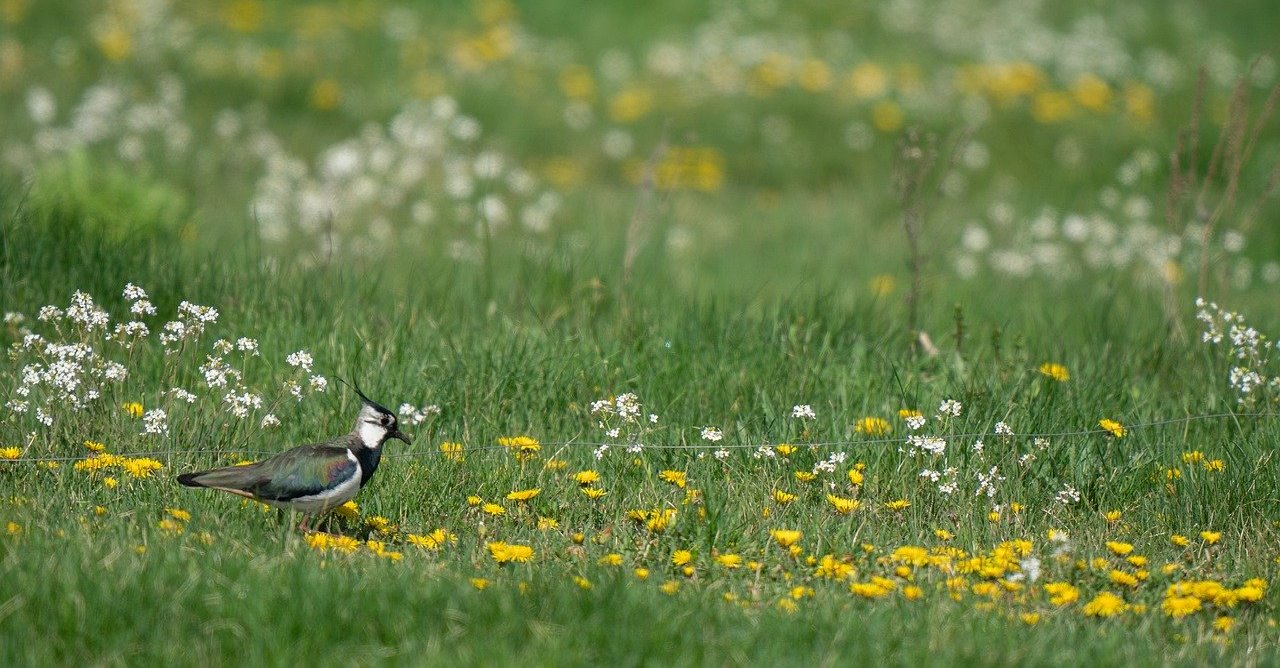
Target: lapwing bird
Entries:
(312, 479)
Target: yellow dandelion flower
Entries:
(785, 537)
(99, 511)
(800, 591)
(13, 528)
(582, 582)
(1062, 593)
(432, 541)
(1215, 466)
(170, 526)
(1192, 457)
(578, 538)
(912, 593)
(554, 464)
(677, 478)
(842, 505)
(681, 557)
(1119, 549)
(523, 447)
(1249, 593)
(325, 94)
(1114, 428)
(504, 553)
(344, 544)
(855, 476)
(641, 573)
(493, 509)
(1210, 537)
(943, 534)
(474, 501)
(110, 483)
(899, 504)
(869, 590)
(178, 514)
(670, 587)
(593, 493)
(611, 559)
(380, 524)
(586, 478)
(1055, 371)
(1112, 516)
(479, 583)
(1224, 624)
(730, 561)
(630, 105)
(1105, 604)
(785, 449)
(547, 524)
(872, 426)
(95, 446)
(1181, 606)
(523, 495)
(10, 453)
(1179, 540)
(832, 568)
(141, 468)
(805, 476)
(348, 511)
(782, 497)
(1123, 579)
(451, 451)
(133, 409)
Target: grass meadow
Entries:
(748, 333)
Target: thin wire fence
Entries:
(708, 446)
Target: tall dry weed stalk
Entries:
(1203, 200)
(919, 186)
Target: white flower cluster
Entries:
(68, 368)
(989, 482)
(1248, 350)
(924, 444)
(1067, 496)
(423, 167)
(803, 412)
(949, 408)
(410, 414)
(72, 374)
(830, 464)
(622, 418)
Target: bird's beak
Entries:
(400, 435)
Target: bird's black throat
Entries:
(368, 458)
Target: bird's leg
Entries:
(304, 526)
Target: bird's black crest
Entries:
(364, 397)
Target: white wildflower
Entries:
(949, 407)
(155, 422)
(803, 412)
(301, 360)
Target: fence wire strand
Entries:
(709, 446)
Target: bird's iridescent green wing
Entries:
(303, 471)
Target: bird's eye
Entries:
(387, 420)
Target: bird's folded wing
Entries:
(300, 472)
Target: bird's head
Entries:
(376, 424)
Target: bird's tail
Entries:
(192, 479)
